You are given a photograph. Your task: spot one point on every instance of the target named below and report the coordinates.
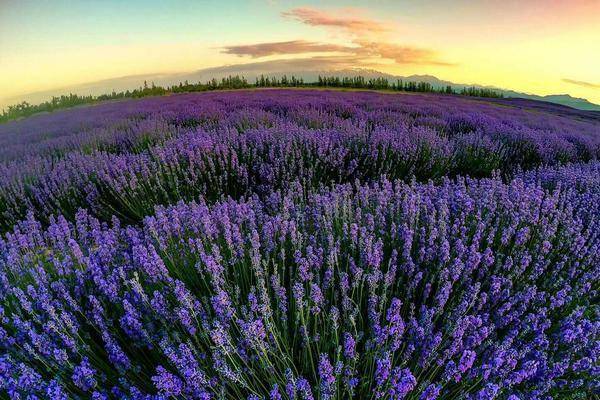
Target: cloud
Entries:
(277, 48)
(342, 19)
(582, 83)
(401, 54)
(366, 35)
(363, 51)
(321, 63)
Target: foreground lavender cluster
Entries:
(290, 246)
(124, 158)
(471, 289)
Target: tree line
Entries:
(25, 109)
(360, 82)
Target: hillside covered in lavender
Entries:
(301, 244)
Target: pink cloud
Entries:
(367, 37)
(363, 51)
(291, 47)
(337, 19)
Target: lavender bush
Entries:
(469, 289)
(133, 155)
(287, 261)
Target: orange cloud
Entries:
(401, 54)
(582, 83)
(351, 24)
(363, 51)
(367, 36)
(291, 47)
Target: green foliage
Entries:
(25, 109)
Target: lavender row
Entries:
(213, 165)
(217, 145)
(471, 289)
(114, 125)
(582, 176)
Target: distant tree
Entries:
(25, 109)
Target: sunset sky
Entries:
(535, 46)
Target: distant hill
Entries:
(277, 69)
(251, 71)
(564, 99)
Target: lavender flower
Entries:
(291, 245)
(84, 376)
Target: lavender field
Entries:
(298, 245)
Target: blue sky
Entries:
(535, 46)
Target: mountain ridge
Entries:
(253, 70)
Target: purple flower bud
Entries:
(84, 376)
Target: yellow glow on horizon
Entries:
(536, 66)
(45, 71)
(531, 52)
